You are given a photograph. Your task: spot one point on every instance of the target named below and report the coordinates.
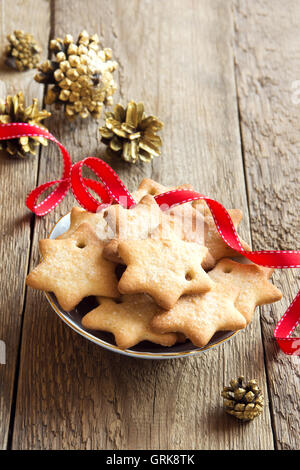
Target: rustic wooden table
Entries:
(222, 75)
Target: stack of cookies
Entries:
(163, 276)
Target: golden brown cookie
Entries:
(253, 282)
(74, 268)
(189, 225)
(200, 316)
(131, 224)
(164, 268)
(229, 305)
(128, 318)
(137, 223)
(192, 222)
(96, 221)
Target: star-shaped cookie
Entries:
(194, 222)
(128, 319)
(95, 220)
(146, 216)
(217, 248)
(74, 268)
(135, 223)
(253, 282)
(131, 224)
(164, 268)
(229, 305)
(183, 219)
(189, 225)
(200, 316)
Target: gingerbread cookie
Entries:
(128, 318)
(183, 219)
(74, 268)
(200, 316)
(96, 221)
(164, 268)
(189, 225)
(253, 282)
(229, 305)
(144, 218)
(131, 224)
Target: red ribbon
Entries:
(112, 189)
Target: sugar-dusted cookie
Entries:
(164, 268)
(238, 289)
(189, 225)
(200, 316)
(74, 268)
(128, 319)
(96, 220)
(137, 223)
(131, 224)
(194, 222)
(252, 280)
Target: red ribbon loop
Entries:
(112, 188)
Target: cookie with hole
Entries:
(238, 289)
(74, 268)
(163, 267)
(96, 220)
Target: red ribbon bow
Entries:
(112, 188)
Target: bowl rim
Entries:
(114, 348)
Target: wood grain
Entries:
(17, 179)
(177, 57)
(267, 64)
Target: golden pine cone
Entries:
(13, 110)
(245, 402)
(22, 52)
(130, 135)
(82, 75)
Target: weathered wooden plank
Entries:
(267, 65)
(17, 178)
(177, 57)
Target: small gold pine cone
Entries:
(22, 52)
(13, 110)
(130, 135)
(245, 402)
(81, 74)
